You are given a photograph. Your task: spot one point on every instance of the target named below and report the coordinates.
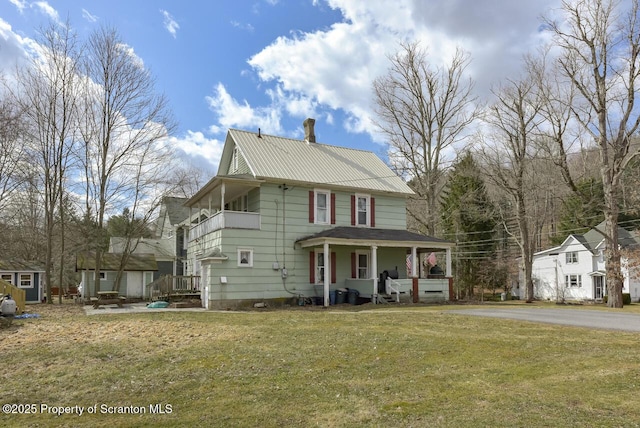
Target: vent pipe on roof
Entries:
(259, 135)
(309, 134)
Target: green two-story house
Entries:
(296, 218)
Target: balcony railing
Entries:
(225, 220)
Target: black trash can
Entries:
(341, 296)
(353, 296)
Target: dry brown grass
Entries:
(408, 366)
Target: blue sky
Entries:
(269, 64)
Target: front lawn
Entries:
(410, 366)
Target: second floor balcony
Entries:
(225, 220)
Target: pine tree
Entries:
(468, 218)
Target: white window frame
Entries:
(316, 217)
(30, 280)
(234, 159)
(103, 275)
(9, 279)
(367, 210)
(320, 267)
(249, 260)
(367, 268)
(571, 257)
(573, 281)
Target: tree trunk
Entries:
(614, 278)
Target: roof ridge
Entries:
(321, 144)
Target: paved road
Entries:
(574, 317)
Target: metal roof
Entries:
(111, 262)
(18, 265)
(277, 158)
(365, 235)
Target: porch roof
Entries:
(210, 193)
(362, 236)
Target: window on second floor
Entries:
(572, 257)
(322, 206)
(362, 210)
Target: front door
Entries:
(598, 287)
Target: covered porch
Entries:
(372, 252)
(223, 203)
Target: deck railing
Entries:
(17, 294)
(225, 220)
(173, 285)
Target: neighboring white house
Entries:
(575, 270)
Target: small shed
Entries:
(137, 271)
(25, 275)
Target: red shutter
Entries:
(333, 208)
(312, 267)
(333, 268)
(353, 265)
(373, 212)
(353, 210)
(311, 206)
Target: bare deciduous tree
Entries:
(600, 54)
(508, 154)
(423, 110)
(124, 120)
(45, 92)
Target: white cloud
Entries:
(199, 148)
(231, 113)
(88, 16)
(170, 24)
(241, 26)
(333, 68)
(130, 52)
(20, 4)
(47, 9)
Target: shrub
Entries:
(626, 299)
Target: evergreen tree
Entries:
(468, 218)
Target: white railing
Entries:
(393, 286)
(225, 220)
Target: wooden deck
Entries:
(174, 288)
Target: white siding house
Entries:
(575, 270)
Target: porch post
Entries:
(414, 262)
(327, 273)
(448, 257)
(222, 190)
(374, 272)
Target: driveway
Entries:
(574, 317)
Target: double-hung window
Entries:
(7, 277)
(363, 210)
(26, 280)
(362, 267)
(571, 257)
(573, 281)
(320, 267)
(322, 206)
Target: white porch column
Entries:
(222, 190)
(414, 262)
(374, 272)
(327, 273)
(448, 268)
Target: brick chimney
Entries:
(309, 134)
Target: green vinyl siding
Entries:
(284, 220)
